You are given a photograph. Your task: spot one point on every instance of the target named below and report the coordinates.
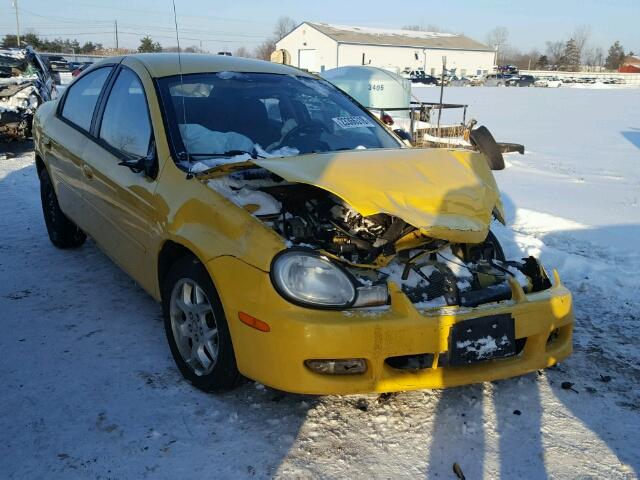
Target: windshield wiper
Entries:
(230, 153)
(189, 157)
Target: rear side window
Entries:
(125, 123)
(82, 98)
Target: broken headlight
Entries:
(309, 279)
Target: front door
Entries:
(125, 222)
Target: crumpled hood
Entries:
(9, 90)
(447, 194)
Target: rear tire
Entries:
(63, 233)
(482, 139)
(197, 329)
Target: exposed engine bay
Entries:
(25, 83)
(380, 248)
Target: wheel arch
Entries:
(171, 252)
(40, 166)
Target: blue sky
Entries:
(228, 25)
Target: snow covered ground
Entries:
(89, 389)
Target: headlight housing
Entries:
(306, 278)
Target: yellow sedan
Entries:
(290, 236)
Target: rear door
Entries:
(124, 220)
(65, 139)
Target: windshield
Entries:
(267, 114)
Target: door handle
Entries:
(87, 172)
(46, 143)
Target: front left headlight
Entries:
(309, 279)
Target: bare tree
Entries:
(581, 36)
(497, 38)
(599, 57)
(283, 27)
(555, 53)
(242, 52)
(594, 58)
(524, 61)
(265, 49)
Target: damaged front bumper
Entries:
(543, 323)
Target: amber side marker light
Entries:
(253, 322)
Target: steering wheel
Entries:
(303, 129)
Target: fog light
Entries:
(553, 336)
(347, 366)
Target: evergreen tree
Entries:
(571, 56)
(147, 45)
(8, 41)
(542, 63)
(58, 45)
(615, 57)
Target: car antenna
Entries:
(184, 112)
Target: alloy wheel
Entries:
(194, 326)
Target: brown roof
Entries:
(399, 38)
(631, 60)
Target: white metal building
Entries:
(320, 46)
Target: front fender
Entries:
(210, 225)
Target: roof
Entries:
(631, 60)
(399, 38)
(168, 64)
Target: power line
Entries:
(198, 16)
(221, 40)
(63, 19)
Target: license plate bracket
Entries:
(481, 339)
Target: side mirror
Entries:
(147, 165)
(403, 134)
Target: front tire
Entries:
(63, 233)
(197, 329)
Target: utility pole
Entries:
(444, 69)
(115, 23)
(15, 5)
